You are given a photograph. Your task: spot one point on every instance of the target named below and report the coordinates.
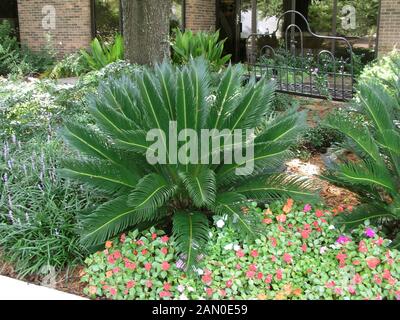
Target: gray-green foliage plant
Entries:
(187, 194)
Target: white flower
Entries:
(200, 272)
(236, 247)
(220, 223)
(183, 297)
(331, 227)
(229, 246)
(181, 288)
(190, 289)
(322, 250)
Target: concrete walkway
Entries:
(11, 289)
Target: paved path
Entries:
(11, 289)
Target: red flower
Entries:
(154, 236)
(130, 284)
(139, 242)
(164, 239)
(147, 266)
(167, 286)
(144, 251)
(372, 262)
(117, 254)
(135, 252)
(259, 275)
(305, 234)
(268, 278)
(229, 283)
(287, 258)
(377, 279)
(273, 241)
(206, 278)
(164, 294)
(164, 251)
(281, 228)
(304, 247)
(267, 221)
(342, 259)
(209, 292)
(362, 247)
(130, 265)
(319, 213)
(240, 253)
(386, 274)
(165, 266)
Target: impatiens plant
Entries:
(303, 256)
(375, 175)
(188, 193)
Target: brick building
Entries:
(69, 24)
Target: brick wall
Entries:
(389, 24)
(200, 15)
(68, 30)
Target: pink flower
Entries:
(372, 262)
(164, 251)
(342, 259)
(377, 279)
(130, 265)
(229, 283)
(165, 266)
(319, 213)
(167, 286)
(252, 267)
(279, 274)
(304, 247)
(273, 258)
(357, 278)
(287, 258)
(338, 291)
(254, 253)
(164, 239)
(305, 234)
(238, 266)
(362, 247)
(113, 291)
(206, 279)
(351, 290)
(122, 238)
(144, 252)
(267, 221)
(240, 253)
(379, 242)
(386, 274)
(250, 274)
(130, 284)
(330, 284)
(222, 292)
(343, 239)
(370, 233)
(307, 208)
(281, 218)
(209, 292)
(259, 275)
(116, 270)
(139, 242)
(149, 283)
(164, 294)
(111, 259)
(153, 236)
(147, 266)
(117, 254)
(268, 278)
(273, 242)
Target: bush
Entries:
(302, 256)
(188, 45)
(125, 110)
(73, 65)
(38, 228)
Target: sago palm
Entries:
(187, 194)
(375, 175)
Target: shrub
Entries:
(375, 176)
(188, 194)
(102, 54)
(302, 256)
(38, 228)
(73, 65)
(188, 45)
(319, 138)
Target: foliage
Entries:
(302, 256)
(20, 61)
(102, 54)
(375, 176)
(73, 65)
(186, 194)
(38, 209)
(107, 18)
(319, 138)
(188, 45)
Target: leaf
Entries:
(190, 230)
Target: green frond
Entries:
(361, 213)
(150, 193)
(167, 79)
(100, 174)
(201, 185)
(190, 230)
(110, 219)
(279, 186)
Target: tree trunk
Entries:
(146, 30)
